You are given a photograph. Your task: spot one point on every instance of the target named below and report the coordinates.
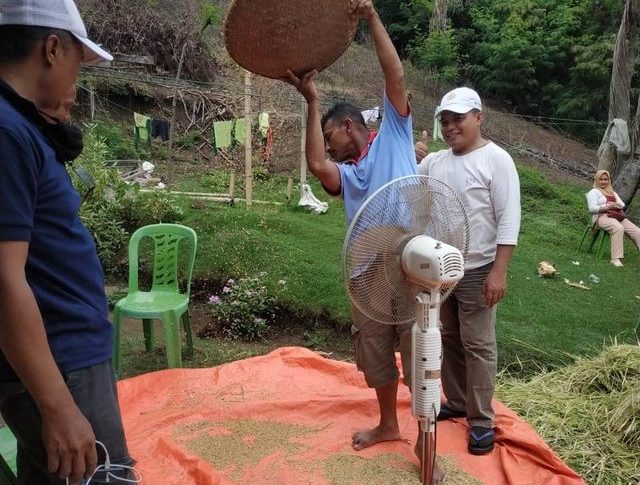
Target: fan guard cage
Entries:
(372, 253)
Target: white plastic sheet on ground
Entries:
(311, 202)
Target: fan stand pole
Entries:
(428, 456)
(426, 363)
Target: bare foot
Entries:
(438, 473)
(363, 439)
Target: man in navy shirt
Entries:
(57, 386)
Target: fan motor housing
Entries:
(432, 264)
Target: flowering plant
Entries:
(244, 308)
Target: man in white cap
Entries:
(484, 176)
(57, 385)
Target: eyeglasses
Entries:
(86, 180)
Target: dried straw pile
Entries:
(588, 412)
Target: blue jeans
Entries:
(94, 391)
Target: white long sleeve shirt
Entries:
(597, 202)
(487, 183)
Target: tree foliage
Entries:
(543, 57)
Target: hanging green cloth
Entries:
(222, 134)
(239, 131)
(141, 129)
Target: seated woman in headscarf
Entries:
(607, 209)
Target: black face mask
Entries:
(65, 138)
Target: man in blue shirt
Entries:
(365, 162)
(57, 386)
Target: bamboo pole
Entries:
(92, 102)
(248, 172)
(173, 116)
(303, 140)
(232, 184)
(212, 197)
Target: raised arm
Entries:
(387, 55)
(320, 166)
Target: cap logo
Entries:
(451, 95)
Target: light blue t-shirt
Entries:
(390, 156)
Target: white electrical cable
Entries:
(108, 467)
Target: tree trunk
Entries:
(441, 10)
(624, 56)
(625, 171)
(627, 181)
(438, 20)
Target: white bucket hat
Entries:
(55, 14)
(459, 100)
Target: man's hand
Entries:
(421, 147)
(362, 9)
(70, 443)
(304, 85)
(494, 287)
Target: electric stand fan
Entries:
(402, 256)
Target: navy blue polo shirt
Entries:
(39, 205)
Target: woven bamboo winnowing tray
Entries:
(270, 36)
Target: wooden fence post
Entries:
(289, 188)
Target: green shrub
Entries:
(244, 309)
(115, 209)
(438, 52)
(149, 208)
(119, 146)
(260, 173)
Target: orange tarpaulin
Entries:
(170, 415)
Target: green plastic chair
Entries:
(164, 301)
(598, 236)
(8, 457)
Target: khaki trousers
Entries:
(469, 360)
(617, 230)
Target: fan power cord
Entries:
(108, 468)
(435, 436)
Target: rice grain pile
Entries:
(388, 469)
(231, 446)
(235, 444)
(588, 412)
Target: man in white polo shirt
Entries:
(484, 176)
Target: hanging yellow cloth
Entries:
(263, 124)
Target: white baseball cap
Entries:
(459, 100)
(55, 14)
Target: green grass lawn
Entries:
(540, 319)
(542, 323)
